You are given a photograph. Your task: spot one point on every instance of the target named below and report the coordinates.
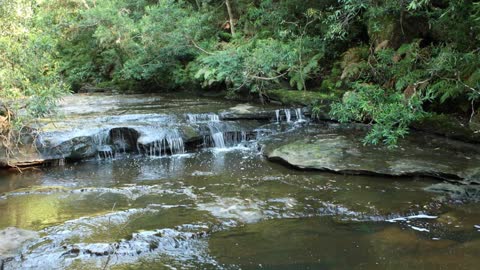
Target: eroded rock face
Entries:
(11, 239)
(344, 152)
(451, 127)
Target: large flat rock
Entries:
(344, 152)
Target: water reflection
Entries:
(255, 214)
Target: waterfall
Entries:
(104, 151)
(288, 115)
(155, 142)
(202, 117)
(218, 140)
(224, 135)
(120, 143)
(299, 115)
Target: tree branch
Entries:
(230, 16)
(269, 78)
(197, 46)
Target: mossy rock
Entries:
(395, 31)
(449, 126)
(303, 98)
(190, 134)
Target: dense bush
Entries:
(395, 59)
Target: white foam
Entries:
(420, 216)
(419, 229)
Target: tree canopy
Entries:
(396, 61)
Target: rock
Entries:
(388, 31)
(190, 134)
(474, 123)
(343, 151)
(24, 154)
(124, 138)
(75, 148)
(457, 192)
(247, 112)
(11, 240)
(450, 127)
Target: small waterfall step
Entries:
(287, 116)
(224, 135)
(202, 117)
(220, 134)
(157, 142)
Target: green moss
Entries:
(327, 85)
(189, 133)
(306, 98)
(381, 28)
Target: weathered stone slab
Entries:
(344, 152)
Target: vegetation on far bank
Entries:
(393, 62)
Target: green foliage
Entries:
(254, 65)
(30, 82)
(390, 112)
(431, 54)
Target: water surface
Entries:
(232, 209)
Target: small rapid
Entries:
(287, 116)
(184, 184)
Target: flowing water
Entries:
(222, 205)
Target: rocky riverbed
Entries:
(193, 183)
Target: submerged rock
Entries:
(457, 192)
(344, 152)
(11, 240)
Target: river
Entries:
(217, 202)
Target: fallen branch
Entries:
(269, 78)
(198, 47)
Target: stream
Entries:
(169, 182)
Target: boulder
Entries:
(451, 127)
(343, 151)
(75, 148)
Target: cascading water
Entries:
(156, 143)
(298, 117)
(224, 135)
(220, 134)
(218, 140)
(288, 115)
(203, 117)
(104, 150)
(120, 143)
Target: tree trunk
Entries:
(230, 16)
